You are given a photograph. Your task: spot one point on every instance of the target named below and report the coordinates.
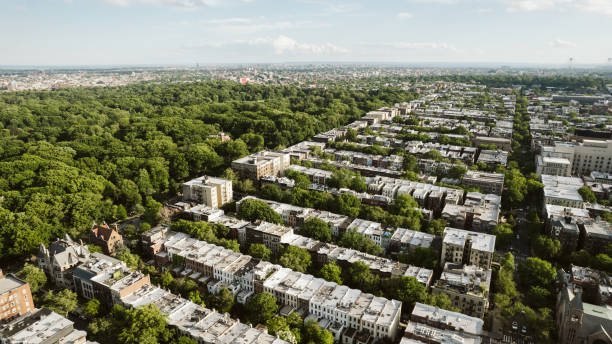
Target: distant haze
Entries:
(413, 32)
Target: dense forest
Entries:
(71, 157)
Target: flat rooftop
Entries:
(480, 241)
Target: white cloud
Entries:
(435, 1)
(598, 6)
(173, 3)
(405, 15)
(239, 25)
(283, 44)
(559, 43)
(532, 5)
(417, 46)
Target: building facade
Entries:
(211, 191)
(15, 297)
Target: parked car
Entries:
(524, 330)
(515, 325)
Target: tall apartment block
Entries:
(466, 247)
(15, 297)
(214, 192)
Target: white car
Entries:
(515, 325)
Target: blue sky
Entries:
(110, 32)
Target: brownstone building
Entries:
(15, 298)
(105, 237)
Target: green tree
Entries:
(261, 307)
(64, 302)
(354, 240)
(503, 235)
(347, 204)
(271, 192)
(546, 247)
(254, 142)
(406, 289)
(91, 308)
(331, 272)
(317, 229)
(313, 333)
(539, 296)
(260, 251)
(515, 188)
(456, 172)
(362, 278)
(587, 194)
(441, 300)
(254, 209)
(276, 324)
(186, 340)
(436, 227)
(145, 324)
(152, 208)
(34, 276)
(223, 300)
(351, 135)
(536, 271)
(166, 279)
(296, 258)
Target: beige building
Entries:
(465, 247)
(569, 158)
(264, 163)
(467, 286)
(487, 182)
(15, 297)
(592, 155)
(211, 191)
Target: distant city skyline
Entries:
(186, 32)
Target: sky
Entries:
(186, 32)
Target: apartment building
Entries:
(322, 253)
(41, 326)
(583, 158)
(406, 240)
(428, 196)
(203, 325)
(211, 191)
(303, 150)
(15, 297)
(467, 286)
(563, 191)
(369, 229)
(592, 155)
(553, 166)
(315, 175)
(97, 264)
(115, 284)
(428, 323)
(264, 163)
(466, 247)
(493, 157)
(241, 273)
(492, 183)
(596, 235)
(479, 212)
(499, 142)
